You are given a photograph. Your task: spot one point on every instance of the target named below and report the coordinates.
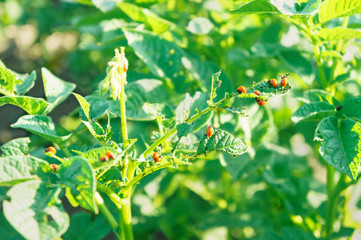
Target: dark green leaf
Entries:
(234, 165)
(341, 144)
(313, 111)
(331, 9)
(7, 82)
(184, 129)
(56, 90)
(40, 125)
(18, 146)
(221, 141)
(30, 104)
(35, 211)
(352, 108)
(78, 175)
(84, 226)
(7, 231)
(15, 169)
(27, 84)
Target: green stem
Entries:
(125, 217)
(123, 118)
(64, 149)
(330, 206)
(145, 173)
(189, 120)
(107, 214)
(338, 49)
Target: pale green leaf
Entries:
(15, 169)
(331, 9)
(313, 111)
(235, 164)
(257, 6)
(40, 125)
(200, 25)
(56, 90)
(293, 7)
(35, 211)
(18, 146)
(138, 14)
(188, 106)
(221, 141)
(27, 84)
(104, 5)
(335, 34)
(7, 82)
(30, 105)
(83, 104)
(215, 84)
(78, 175)
(341, 144)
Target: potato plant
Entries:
(176, 135)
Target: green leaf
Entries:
(27, 84)
(200, 25)
(215, 84)
(15, 169)
(352, 108)
(138, 14)
(35, 211)
(184, 129)
(188, 106)
(313, 111)
(257, 6)
(341, 144)
(331, 9)
(7, 82)
(315, 95)
(78, 175)
(203, 71)
(293, 7)
(40, 125)
(335, 34)
(221, 141)
(234, 165)
(83, 104)
(30, 104)
(56, 90)
(18, 146)
(98, 107)
(84, 226)
(266, 90)
(298, 62)
(97, 130)
(163, 58)
(95, 154)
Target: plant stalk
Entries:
(126, 219)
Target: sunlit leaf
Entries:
(18, 146)
(27, 84)
(35, 211)
(313, 111)
(221, 141)
(335, 34)
(341, 144)
(331, 9)
(78, 175)
(40, 125)
(29, 104)
(7, 82)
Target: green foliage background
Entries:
(276, 190)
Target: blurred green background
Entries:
(279, 191)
